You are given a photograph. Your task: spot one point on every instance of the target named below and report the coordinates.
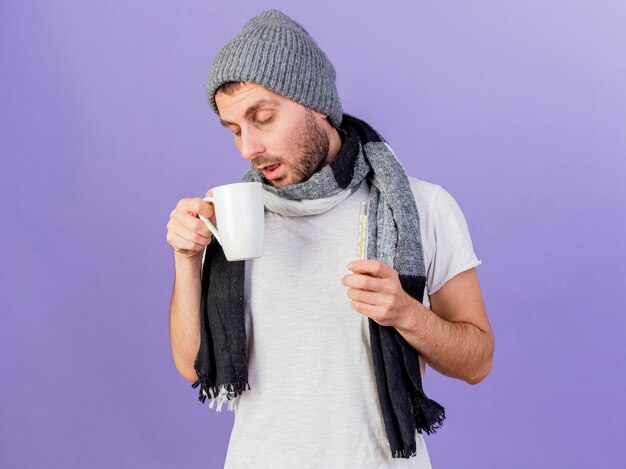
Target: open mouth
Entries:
(272, 171)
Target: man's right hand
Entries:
(186, 233)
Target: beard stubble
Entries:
(312, 147)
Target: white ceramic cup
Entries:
(240, 217)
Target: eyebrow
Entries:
(251, 110)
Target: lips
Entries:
(271, 171)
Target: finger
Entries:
(364, 296)
(179, 242)
(191, 223)
(364, 308)
(190, 236)
(209, 193)
(364, 282)
(372, 267)
(196, 205)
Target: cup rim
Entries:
(236, 184)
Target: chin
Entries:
(280, 182)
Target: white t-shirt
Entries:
(313, 401)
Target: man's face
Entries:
(283, 140)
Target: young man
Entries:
(322, 355)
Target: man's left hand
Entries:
(376, 292)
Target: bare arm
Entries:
(454, 336)
(185, 315)
(188, 236)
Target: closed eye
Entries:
(264, 122)
(257, 123)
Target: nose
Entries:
(251, 145)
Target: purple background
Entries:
(518, 109)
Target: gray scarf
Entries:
(394, 239)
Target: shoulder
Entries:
(426, 193)
(448, 247)
(432, 199)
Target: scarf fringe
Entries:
(404, 453)
(428, 415)
(221, 394)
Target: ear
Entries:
(323, 118)
(318, 115)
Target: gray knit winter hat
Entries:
(278, 53)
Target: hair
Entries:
(229, 87)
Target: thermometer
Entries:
(362, 238)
